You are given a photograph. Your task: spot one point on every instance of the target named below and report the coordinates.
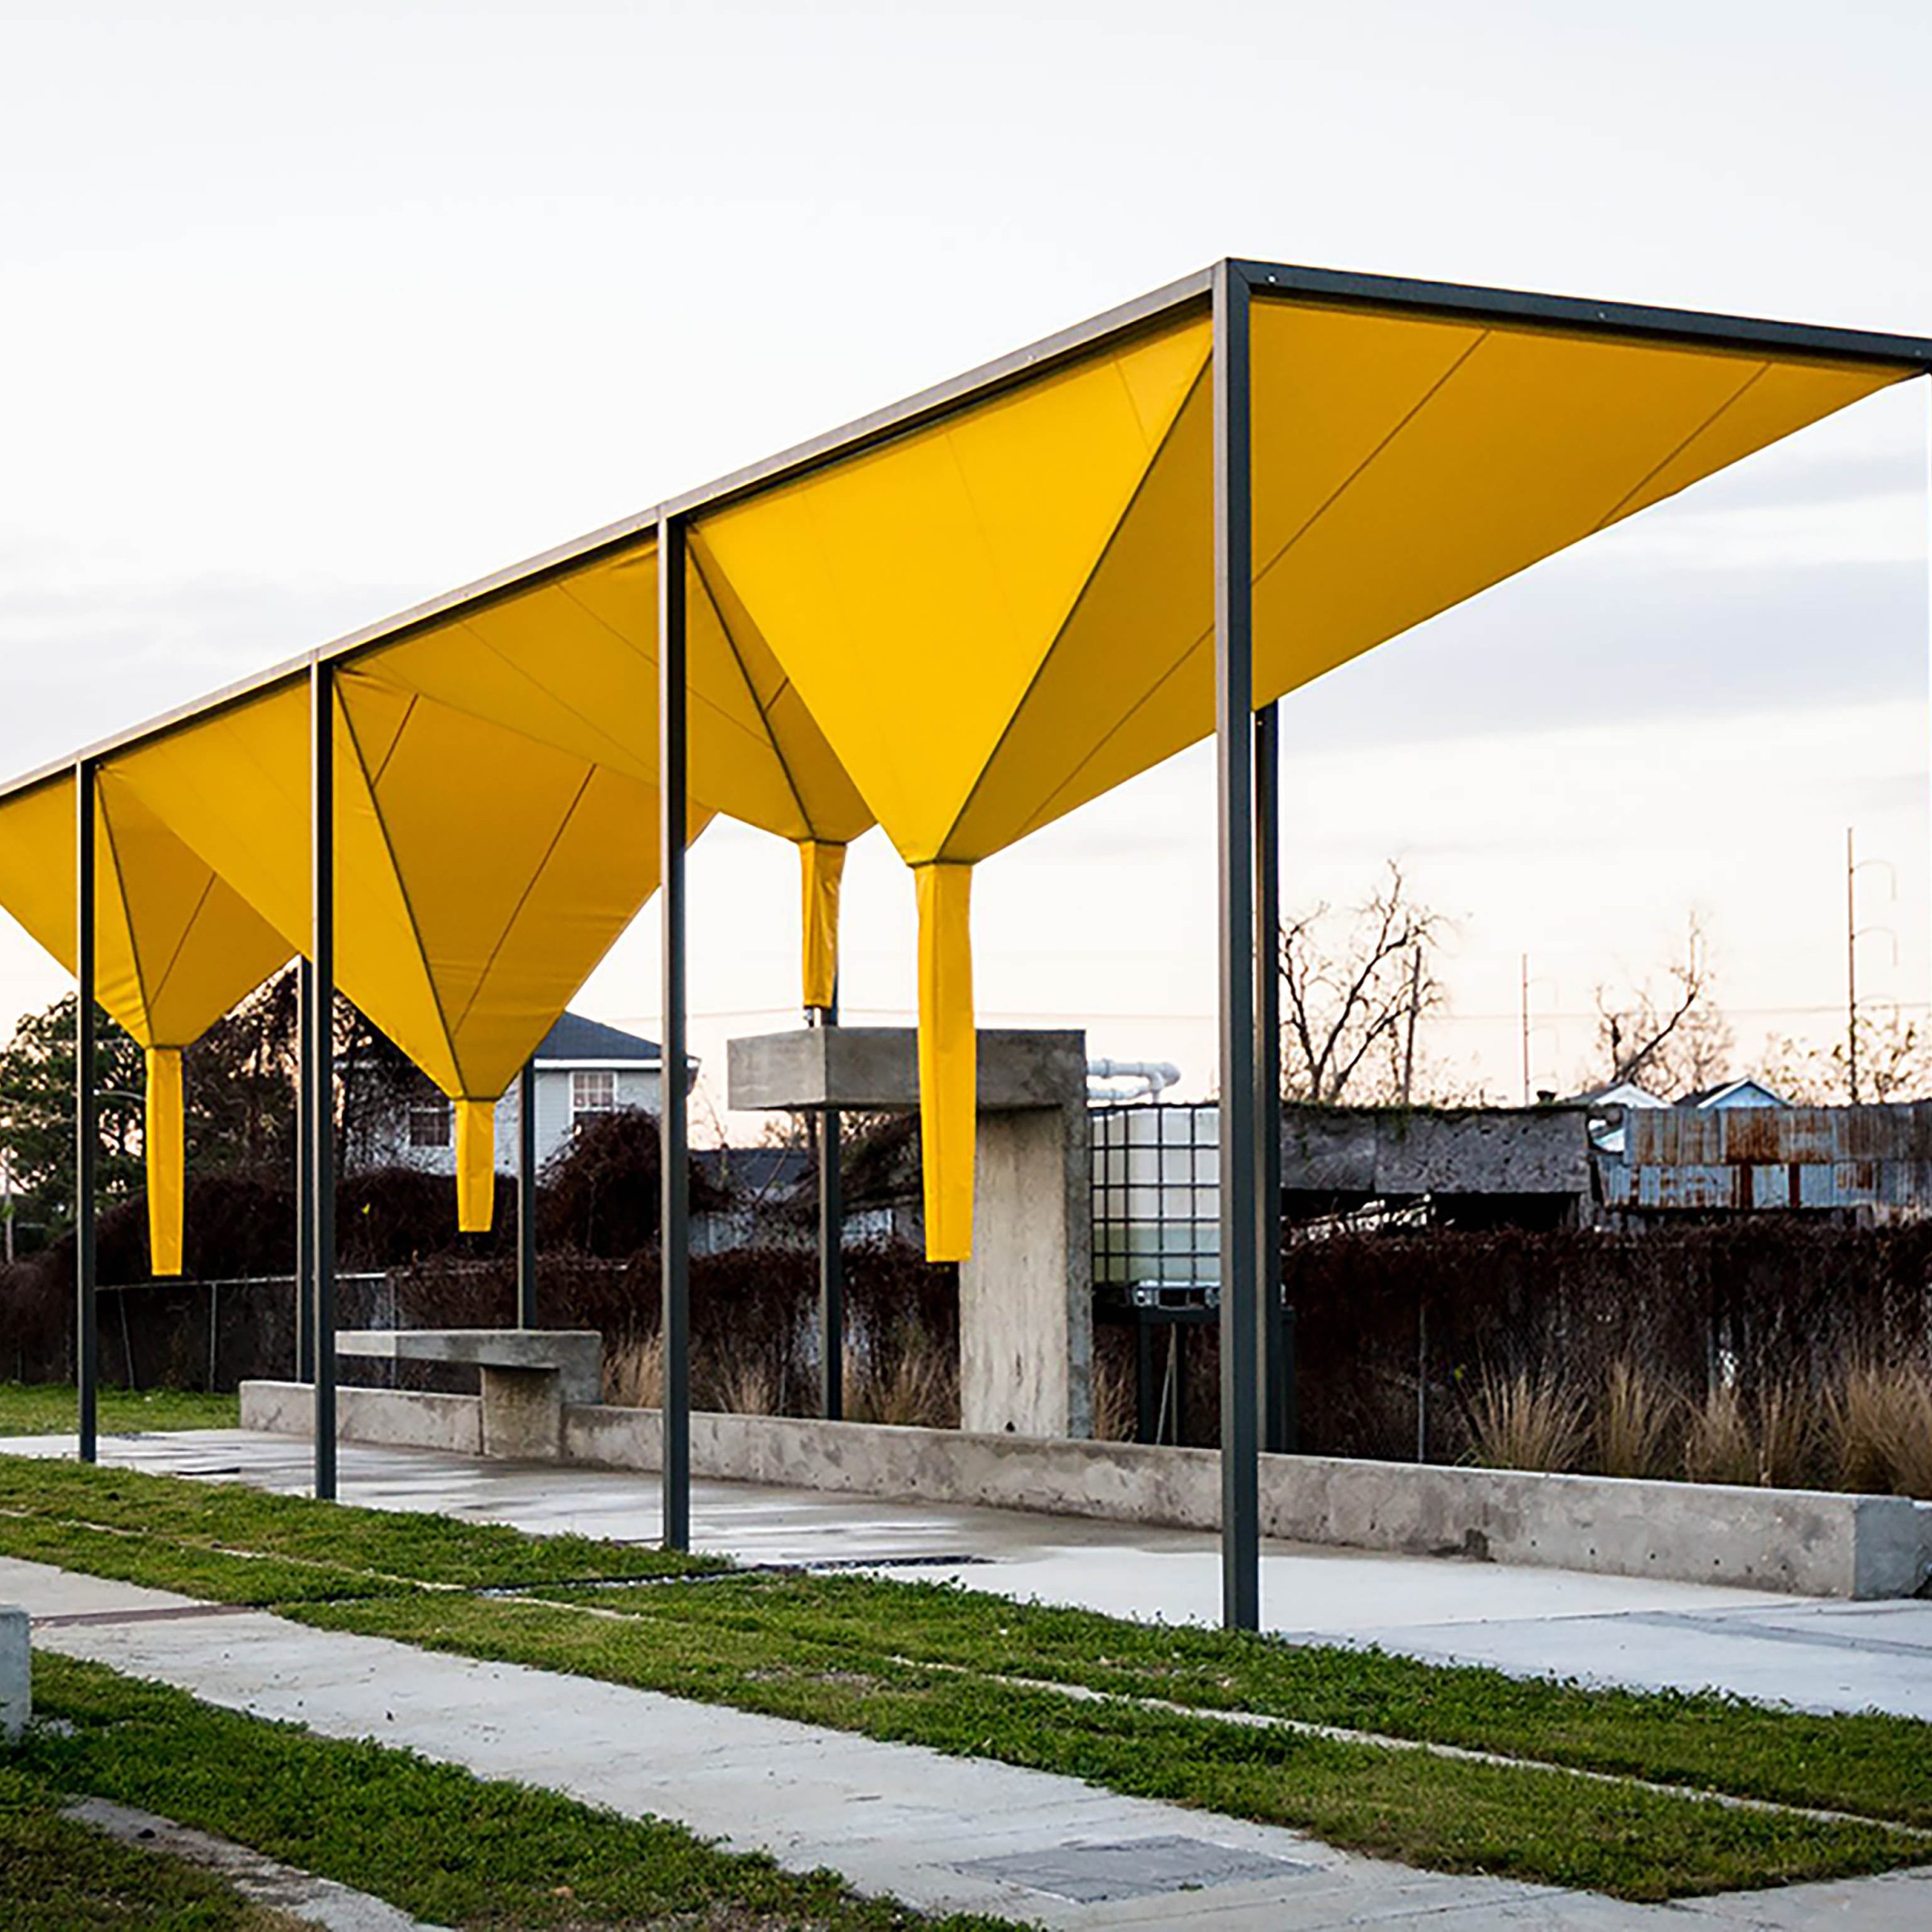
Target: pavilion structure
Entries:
(959, 618)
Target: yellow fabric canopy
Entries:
(480, 875)
(497, 812)
(964, 624)
(175, 949)
(999, 616)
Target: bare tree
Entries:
(1674, 1040)
(1894, 1063)
(1357, 986)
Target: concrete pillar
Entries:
(1026, 1296)
(16, 1692)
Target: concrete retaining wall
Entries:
(399, 1418)
(1805, 1542)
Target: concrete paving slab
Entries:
(895, 1818)
(1815, 1653)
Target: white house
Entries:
(584, 1068)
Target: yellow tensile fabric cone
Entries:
(166, 1159)
(476, 1164)
(949, 1057)
(820, 867)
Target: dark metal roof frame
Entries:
(1267, 280)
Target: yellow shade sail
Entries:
(480, 874)
(175, 947)
(1001, 615)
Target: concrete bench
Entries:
(16, 1674)
(529, 1376)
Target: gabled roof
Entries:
(1745, 1092)
(576, 1038)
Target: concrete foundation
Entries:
(16, 1674)
(1799, 1542)
(1025, 1296)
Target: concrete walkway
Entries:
(1815, 1653)
(938, 1832)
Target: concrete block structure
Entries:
(16, 1674)
(529, 1376)
(1027, 1293)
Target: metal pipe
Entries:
(527, 1195)
(322, 1060)
(1270, 1335)
(305, 1176)
(1234, 771)
(832, 1251)
(675, 1226)
(87, 1334)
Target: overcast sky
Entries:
(310, 311)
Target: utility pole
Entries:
(1852, 964)
(1525, 1013)
(1415, 1003)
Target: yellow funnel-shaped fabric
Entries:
(166, 1159)
(913, 593)
(571, 663)
(480, 874)
(476, 1164)
(999, 617)
(821, 868)
(949, 1057)
(175, 949)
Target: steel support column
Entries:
(322, 1060)
(1234, 770)
(831, 1253)
(305, 1174)
(527, 1195)
(87, 1135)
(675, 1226)
(1276, 1365)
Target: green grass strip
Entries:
(422, 1548)
(435, 1841)
(1506, 1821)
(56, 1876)
(1870, 1763)
(53, 1408)
(922, 1662)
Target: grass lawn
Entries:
(59, 1876)
(449, 1848)
(52, 1408)
(939, 1666)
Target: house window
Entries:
(429, 1123)
(590, 1093)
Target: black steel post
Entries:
(87, 1135)
(527, 1195)
(322, 1060)
(305, 1172)
(675, 1224)
(831, 1253)
(1146, 1388)
(1234, 747)
(1271, 1340)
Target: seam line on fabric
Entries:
(180, 947)
(1079, 599)
(1401, 423)
(696, 562)
(97, 806)
(395, 870)
(516, 912)
(1663, 463)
